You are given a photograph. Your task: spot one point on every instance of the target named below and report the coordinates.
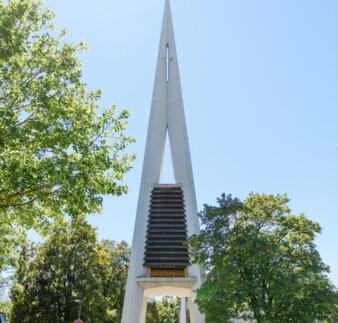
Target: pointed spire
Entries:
(167, 12)
(167, 111)
(167, 42)
(166, 118)
(167, 8)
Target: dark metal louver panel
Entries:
(167, 230)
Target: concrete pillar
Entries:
(195, 314)
(143, 310)
(183, 310)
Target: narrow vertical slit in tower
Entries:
(167, 175)
(167, 63)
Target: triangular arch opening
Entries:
(167, 171)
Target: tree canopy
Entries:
(164, 310)
(70, 265)
(60, 151)
(261, 263)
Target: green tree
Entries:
(59, 150)
(261, 263)
(169, 312)
(165, 310)
(71, 264)
(152, 315)
(6, 307)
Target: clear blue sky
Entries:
(260, 82)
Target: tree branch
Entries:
(21, 193)
(3, 206)
(104, 128)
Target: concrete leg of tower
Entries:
(195, 314)
(144, 310)
(183, 310)
(135, 310)
(134, 304)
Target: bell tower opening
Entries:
(166, 249)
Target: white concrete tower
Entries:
(149, 274)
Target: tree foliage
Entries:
(261, 263)
(71, 264)
(59, 150)
(165, 310)
(6, 308)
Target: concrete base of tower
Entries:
(167, 286)
(184, 287)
